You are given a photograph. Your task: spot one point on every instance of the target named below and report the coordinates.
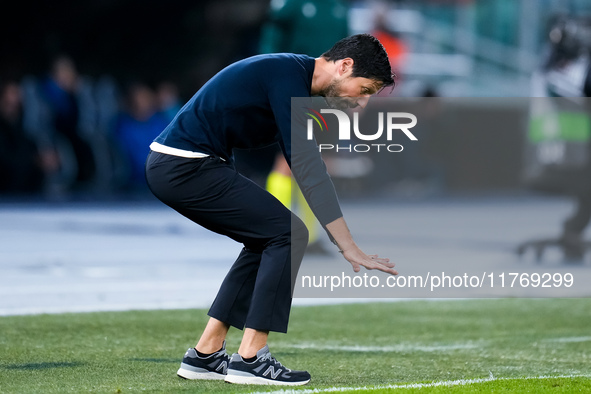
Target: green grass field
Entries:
(508, 345)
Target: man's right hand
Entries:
(351, 252)
(358, 259)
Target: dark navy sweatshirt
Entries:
(248, 105)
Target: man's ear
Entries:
(345, 67)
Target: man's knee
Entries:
(295, 233)
(299, 233)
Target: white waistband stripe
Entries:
(156, 147)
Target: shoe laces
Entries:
(270, 357)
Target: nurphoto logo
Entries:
(394, 122)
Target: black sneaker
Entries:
(212, 367)
(264, 370)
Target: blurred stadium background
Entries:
(98, 77)
(87, 85)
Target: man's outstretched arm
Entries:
(351, 252)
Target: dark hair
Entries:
(370, 59)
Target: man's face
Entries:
(350, 92)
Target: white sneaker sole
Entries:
(237, 379)
(186, 374)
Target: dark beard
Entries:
(331, 96)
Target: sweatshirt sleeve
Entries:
(302, 154)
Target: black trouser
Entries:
(257, 291)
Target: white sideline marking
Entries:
(446, 383)
(569, 339)
(394, 348)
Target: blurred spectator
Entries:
(563, 125)
(60, 93)
(21, 168)
(110, 168)
(169, 102)
(391, 40)
(138, 124)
